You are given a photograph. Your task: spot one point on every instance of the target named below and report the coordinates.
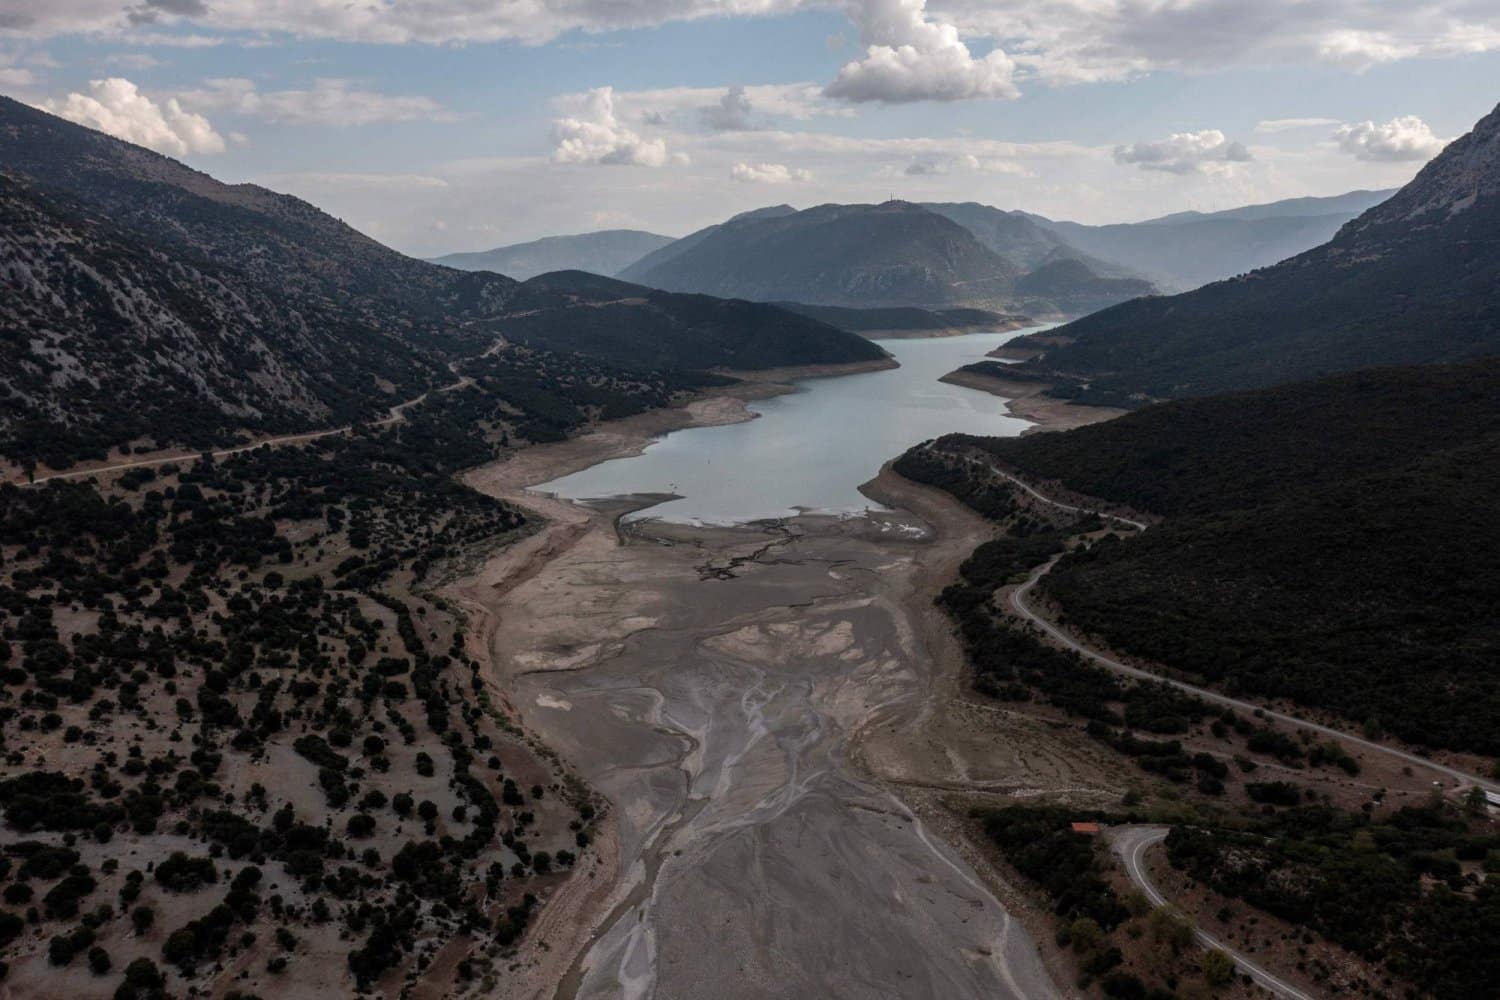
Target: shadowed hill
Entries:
(1410, 281)
(1321, 542)
(606, 252)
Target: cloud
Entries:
(149, 11)
(16, 76)
(1202, 152)
(940, 163)
(132, 60)
(925, 168)
(321, 180)
(327, 102)
(1073, 41)
(910, 57)
(768, 173)
(116, 106)
(1053, 41)
(598, 136)
(1272, 125)
(1400, 139)
(731, 114)
(694, 107)
(1359, 50)
(432, 22)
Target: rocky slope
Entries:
(1410, 281)
(146, 304)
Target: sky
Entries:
(448, 125)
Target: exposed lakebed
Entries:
(721, 682)
(809, 450)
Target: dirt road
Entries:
(395, 414)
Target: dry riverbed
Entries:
(753, 702)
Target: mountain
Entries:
(1189, 249)
(1409, 281)
(658, 258)
(146, 301)
(909, 321)
(146, 304)
(1021, 238)
(895, 254)
(1075, 289)
(635, 326)
(1350, 203)
(1318, 541)
(606, 252)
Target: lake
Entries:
(811, 449)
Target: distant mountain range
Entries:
(606, 252)
(895, 254)
(1411, 280)
(145, 303)
(1188, 249)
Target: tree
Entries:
(1218, 968)
(1171, 928)
(1475, 803)
(1084, 934)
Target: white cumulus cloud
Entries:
(910, 56)
(1207, 151)
(1404, 138)
(768, 173)
(596, 135)
(116, 106)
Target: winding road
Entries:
(1131, 843)
(1021, 606)
(395, 414)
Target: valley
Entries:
(899, 596)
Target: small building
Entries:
(1086, 828)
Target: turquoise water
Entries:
(811, 449)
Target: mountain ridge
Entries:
(1409, 281)
(148, 305)
(605, 251)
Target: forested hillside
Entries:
(641, 327)
(1319, 543)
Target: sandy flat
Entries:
(1026, 400)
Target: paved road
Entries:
(1022, 607)
(396, 414)
(1131, 843)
